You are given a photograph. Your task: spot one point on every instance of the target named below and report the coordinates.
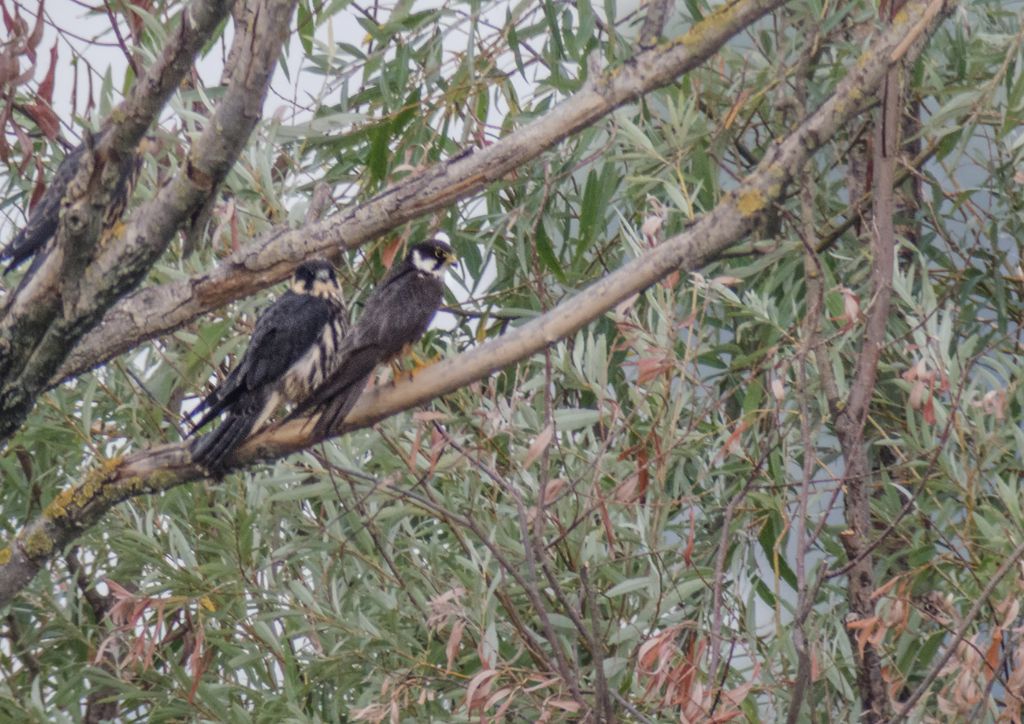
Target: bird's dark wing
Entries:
(42, 224)
(296, 324)
(282, 335)
(396, 314)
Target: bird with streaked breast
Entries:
(293, 350)
(396, 314)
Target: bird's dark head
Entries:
(432, 257)
(316, 277)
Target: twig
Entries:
(120, 39)
(596, 649)
(718, 582)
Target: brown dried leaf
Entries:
(40, 186)
(451, 649)
(651, 227)
(479, 689)
(869, 631)
(233, 225)
(44, 117)
(539, 445)
(32, 42)
(917, 393)
(655, 653)
(992, 654)
(373, 712)
(564, 704)
(389, 252)
(929, 410)
(198, 660)
(553, 490)
(648, 368)
(885, 588)
(9, 22)
(45, 91)
(445, 606)
(626, 491)
(994, 403)
(9, 67)
(498, 696)
(732, 445)
(690, 538)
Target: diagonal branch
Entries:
(150, 94)
(167, 466)
(38, 333)
(153, 311)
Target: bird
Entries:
(293, 349)
(43, 221)
(396, 314)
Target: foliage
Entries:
(557, 531)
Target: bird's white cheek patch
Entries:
(426, 264)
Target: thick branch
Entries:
(133, 117)
(35, 312)
(153, 311)
(166, 466)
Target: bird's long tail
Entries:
(213, 449)
(334, 411)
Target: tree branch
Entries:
(166, 466)
(851, 419)
(152, 311)
(654, 22)
(35, 337)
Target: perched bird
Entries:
(395, 315)
(42, 224)
(292, 351)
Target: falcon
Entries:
(42, 223)
(292, 351)
(396, 315)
